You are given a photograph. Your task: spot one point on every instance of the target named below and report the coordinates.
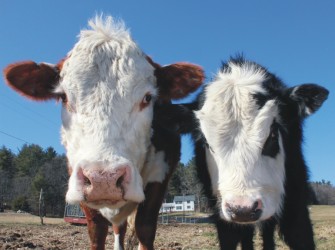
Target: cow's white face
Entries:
(245, 153)
(108, 87)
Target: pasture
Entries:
(23, 231)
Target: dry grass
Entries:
(324, 226)
(14, 218)
(24, 231)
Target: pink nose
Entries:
(106, 185)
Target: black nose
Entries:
(244, 214)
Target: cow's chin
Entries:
(105, 204)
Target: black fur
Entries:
(295, 227)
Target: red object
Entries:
(75, 220)
(74, 215)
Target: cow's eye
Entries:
(271, 146)
(147, 98)
(146, 101)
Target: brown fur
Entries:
(185, 77)
(37, 82)
(177, 80)
(97, 227)
(32, 80)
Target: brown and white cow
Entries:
(119, 157)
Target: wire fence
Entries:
(187, 219)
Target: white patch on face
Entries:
(105, 79)
(236, 130)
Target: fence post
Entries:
(41, 206)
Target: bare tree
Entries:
(324, 192)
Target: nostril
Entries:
(229, 207)
(87, 181)
(254, 206)
(83, 177)
(257, 206)
(120, 181)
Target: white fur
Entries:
(118, 216)
(117, 245)
(156, 167)
(236, 130)
(105, 79)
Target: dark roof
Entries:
(184, 198)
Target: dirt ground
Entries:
(65, 236)
(23, 231)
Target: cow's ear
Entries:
(176, 117)
(309, 97)
(32, 80)
(177, 80)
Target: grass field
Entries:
(27, 219)
(324, 226)
(25, 232)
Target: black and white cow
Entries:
(247, 130)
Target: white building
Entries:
(179, 204)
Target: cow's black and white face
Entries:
(245, 119)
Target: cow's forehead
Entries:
(106, 55)
(233, 110)
(234, 92)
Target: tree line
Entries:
(185, 181)
(23, 175)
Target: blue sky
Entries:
(294, 39)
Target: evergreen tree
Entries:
(21, 203)
(29, 159)
(175, 186)
(7, 161)
(50, 153)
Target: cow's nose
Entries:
(245, 214)
(101, 184)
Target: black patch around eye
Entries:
(261, 99)
(271, 145)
